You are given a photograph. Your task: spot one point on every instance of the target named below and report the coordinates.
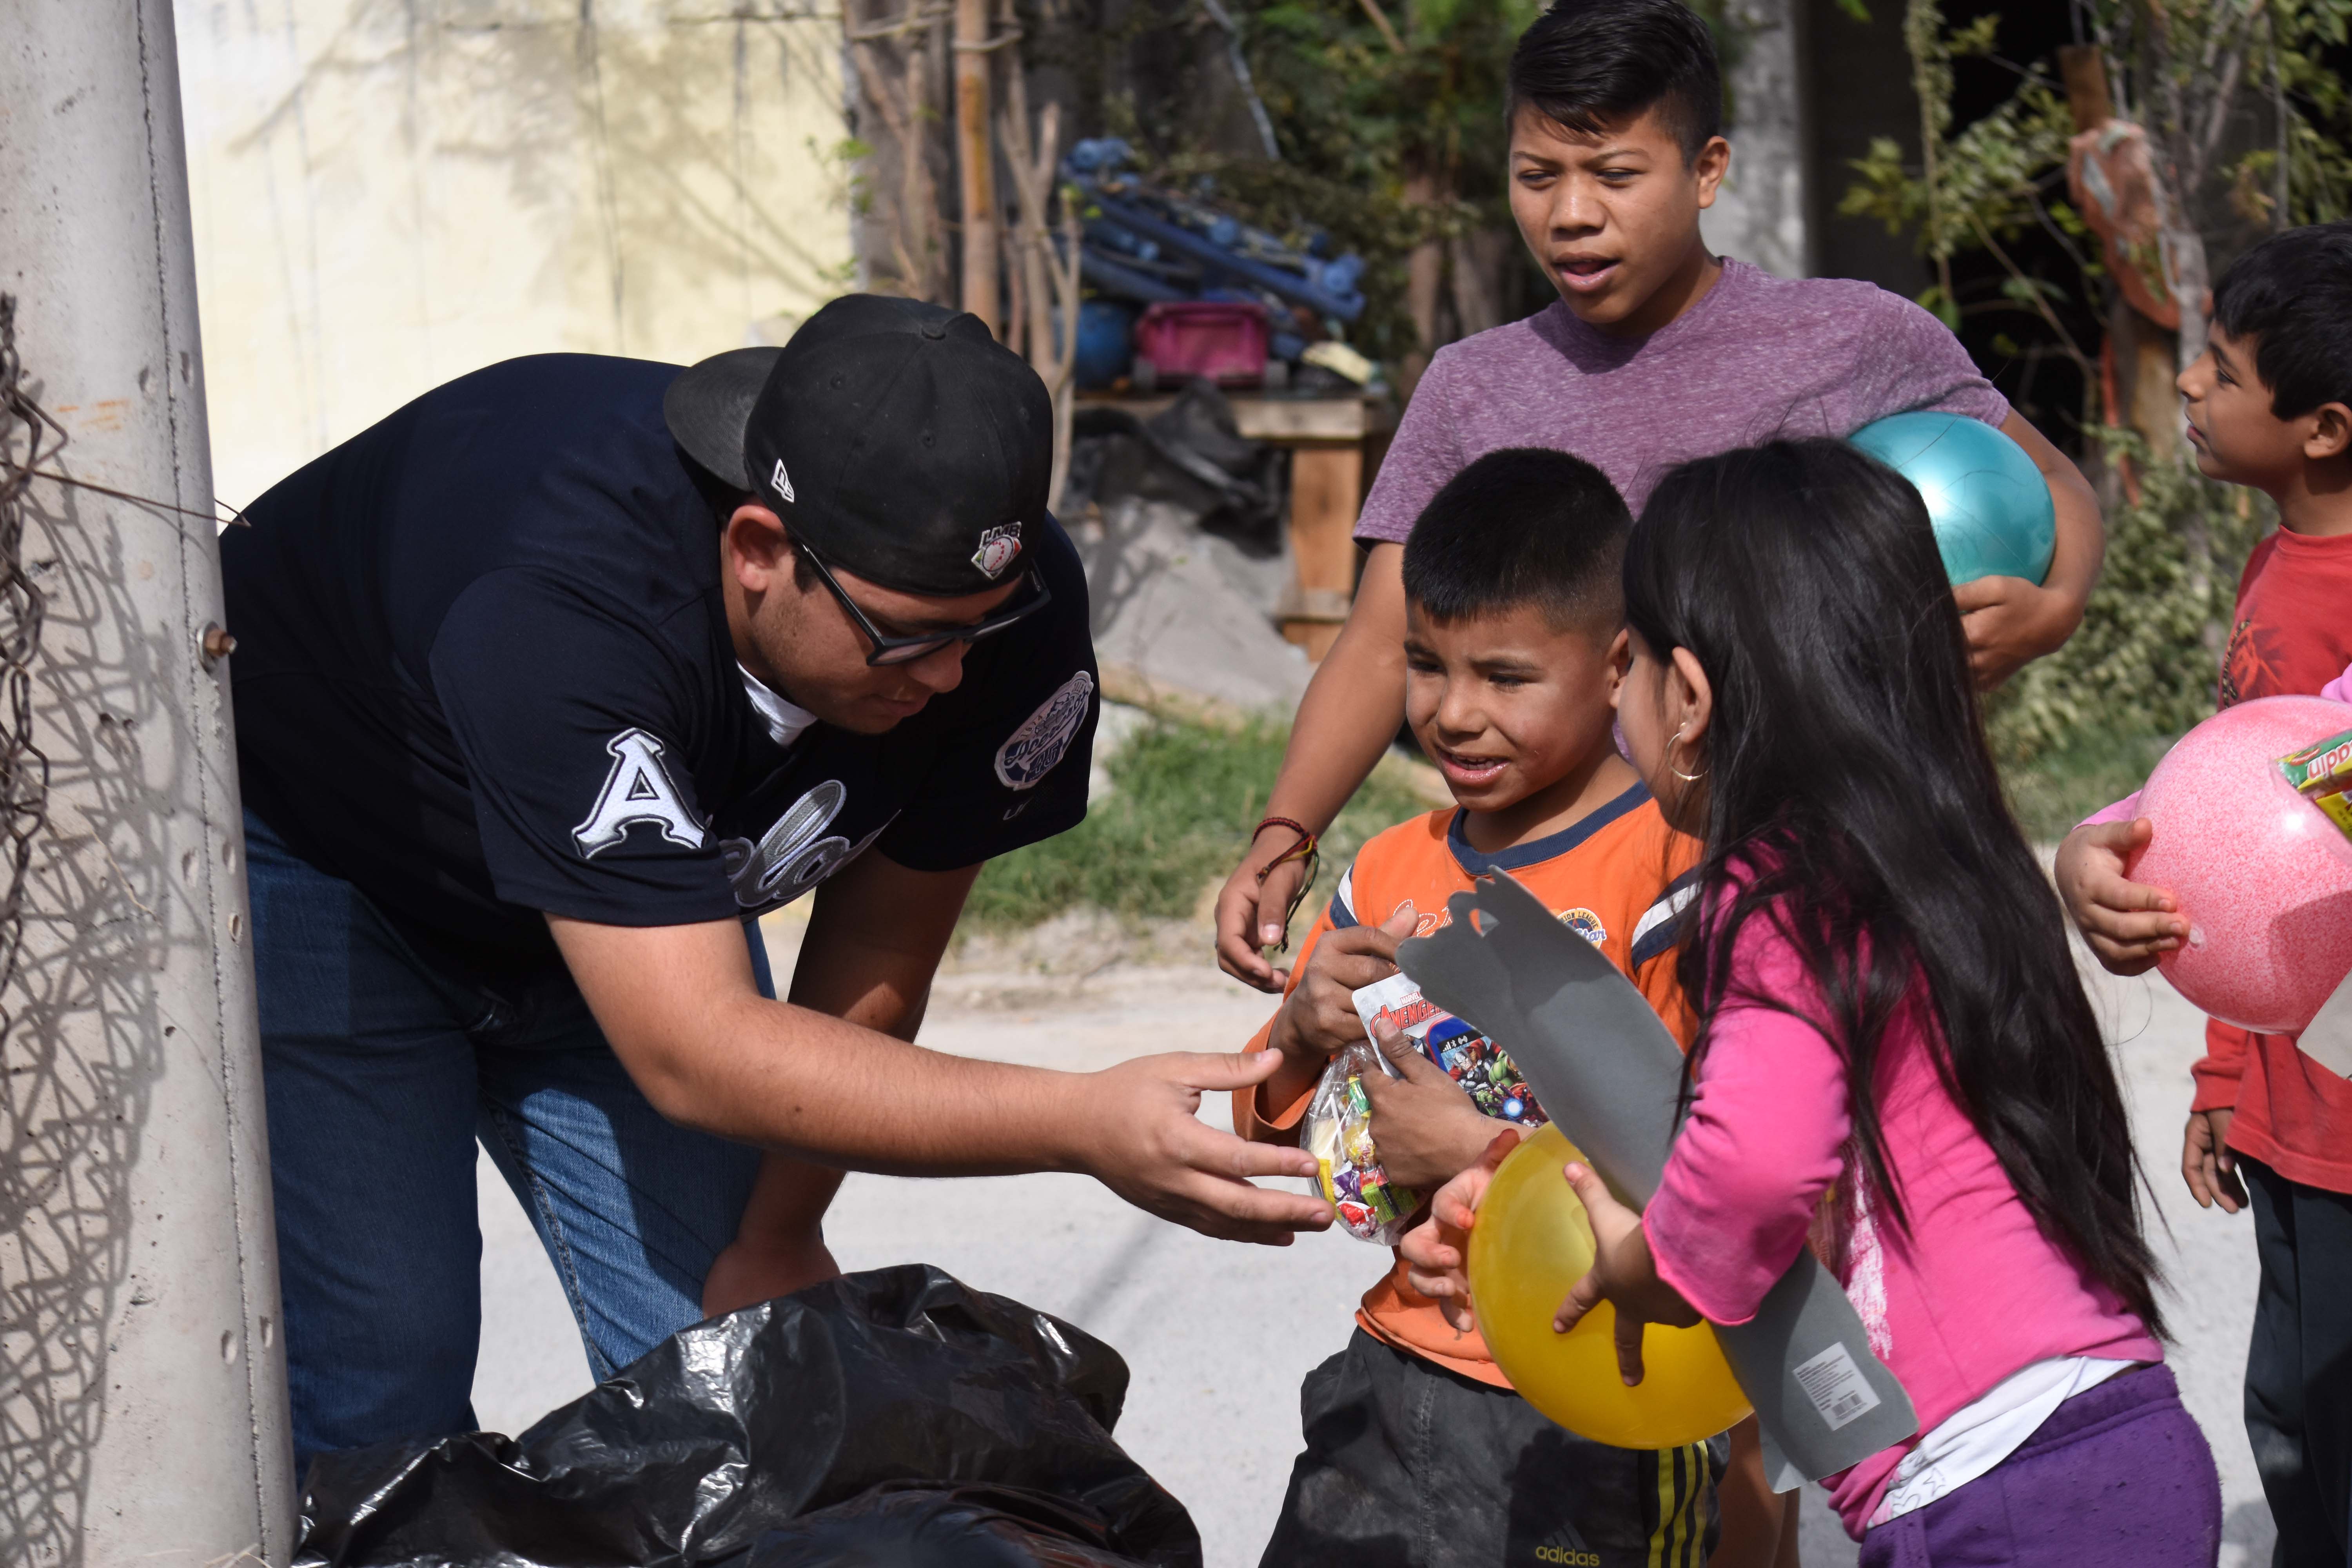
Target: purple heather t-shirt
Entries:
(1757, 357)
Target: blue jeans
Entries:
(381, 1069)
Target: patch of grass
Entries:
(1186, 796)
(2060, 787)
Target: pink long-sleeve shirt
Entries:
(1972, 1294)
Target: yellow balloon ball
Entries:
(1532, 1242)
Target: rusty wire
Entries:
(28, 438)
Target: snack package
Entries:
(2322, 773)
(1485, 1071)
(1338, 1133)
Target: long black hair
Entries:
(1851, 799)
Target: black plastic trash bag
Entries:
(745, 1424)
(1189, 453)
(907, 1526)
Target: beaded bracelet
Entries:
(1309, 849)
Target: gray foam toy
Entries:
(1606, 1070)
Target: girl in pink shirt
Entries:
(1898, 1063)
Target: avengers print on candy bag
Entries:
(1484, 1069)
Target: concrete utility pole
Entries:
(142, 1387)
(1760, 215)
(976, 156)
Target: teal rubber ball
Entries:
(1989, 504)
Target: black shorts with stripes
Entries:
(1409, 1465)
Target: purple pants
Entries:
(2119, 1476)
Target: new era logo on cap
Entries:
(782, 481)
(998, 548)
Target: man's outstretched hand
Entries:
(1140, 1134)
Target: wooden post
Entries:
(976, 154)
(1326, 492)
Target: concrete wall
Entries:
(390, 193)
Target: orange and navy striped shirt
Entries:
(1620, 876)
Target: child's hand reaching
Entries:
(1622, 1274)
(1437, 1254)
(1425, 1127)
(2127, 923)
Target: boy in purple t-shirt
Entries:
(1657, 352)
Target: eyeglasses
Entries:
(921, 645)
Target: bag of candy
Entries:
(1338, 1133)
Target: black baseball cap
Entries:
(898, 440)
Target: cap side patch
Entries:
(782, 481)
(998, 548)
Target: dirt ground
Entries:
(1219, 1336)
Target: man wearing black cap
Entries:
(546, 687)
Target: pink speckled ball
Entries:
(2262, 878)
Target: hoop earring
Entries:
(1687, 778)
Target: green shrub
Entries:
(2146, 658)
(2059, 788)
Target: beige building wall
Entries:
(390, 193)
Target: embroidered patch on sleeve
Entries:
(638, 789)
(1030, 753)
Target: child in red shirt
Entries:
(2270, 406)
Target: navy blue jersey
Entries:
(483, 671)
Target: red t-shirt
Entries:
(2292, 634)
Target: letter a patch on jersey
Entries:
(639, 789)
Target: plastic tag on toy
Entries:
(2327, 1038)
(1484, 1069)
(1338, 1133)
(1595, 1044)
(2322, 775)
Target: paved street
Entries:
(1219, 1336)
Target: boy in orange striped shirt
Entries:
(1418, 1452)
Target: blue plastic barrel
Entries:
(1105, 342)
